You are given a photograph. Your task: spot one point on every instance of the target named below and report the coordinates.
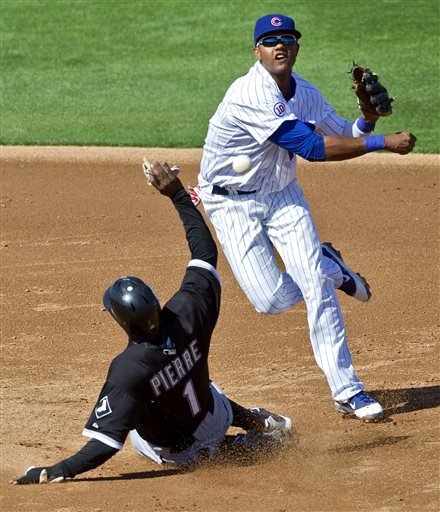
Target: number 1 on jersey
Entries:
(190, 394)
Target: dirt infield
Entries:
(75, 219)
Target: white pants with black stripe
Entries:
(248, 227)
(208, 435)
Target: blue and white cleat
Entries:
(363, 406)
(354, 284)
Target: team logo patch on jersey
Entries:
(103, 408)
(276, 22)
(279, 109)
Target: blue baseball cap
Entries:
(274, 23)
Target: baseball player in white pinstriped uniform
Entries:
(271, 115)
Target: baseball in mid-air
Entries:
(241, 164)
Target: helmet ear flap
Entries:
(135, 307)
(106, 301)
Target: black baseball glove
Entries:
(372, 96)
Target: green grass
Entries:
(151, 73)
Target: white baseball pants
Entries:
(248, 227)
(208, 435)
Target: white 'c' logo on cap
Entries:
(276, 22)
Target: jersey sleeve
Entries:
(298, 137)
(332, 124)
(260, 120)
(113, 417)
(197, 303)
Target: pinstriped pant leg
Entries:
(293, 232)
(238, 221)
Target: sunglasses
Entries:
(287, 39)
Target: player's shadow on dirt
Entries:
(141, 475)
(230, 454)
(380, 441)
(399, 401)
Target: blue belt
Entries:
(224, 192)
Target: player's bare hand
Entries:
(401, 143)
(147, 167)
(164, 179)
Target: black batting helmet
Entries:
(135, 307)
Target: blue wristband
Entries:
(374, 142)
(364, 126)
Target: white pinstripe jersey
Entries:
(251, 111)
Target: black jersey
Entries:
(163, 392)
